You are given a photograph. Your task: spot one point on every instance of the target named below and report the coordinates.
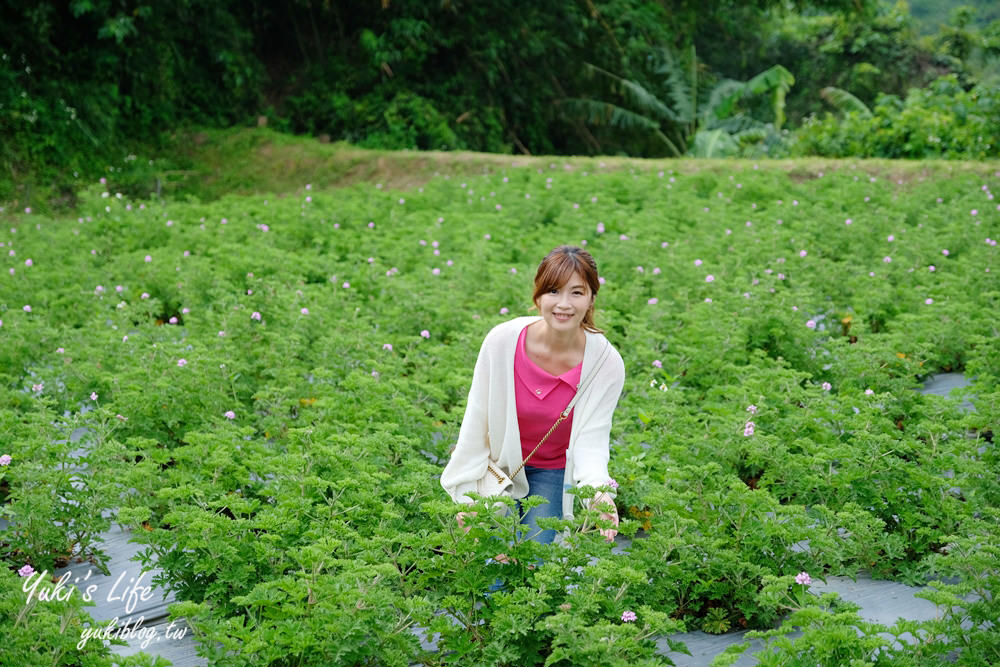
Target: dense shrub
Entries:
(942, 120)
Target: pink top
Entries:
(540, 398)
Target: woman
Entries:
(527, 372)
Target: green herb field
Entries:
(271, 384)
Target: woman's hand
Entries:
(603, 501)
(460, 517)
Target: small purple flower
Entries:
(387, 346)
(657, 363)
(697, 262)
(255, 316)
(653, 301)
(28, 262)
(425, 333)
(182, 362)
(944, 252)
(811, 324)
(304, 311)
(869, 392)
(656, 271)
(144, 295)
(887, 259)
(752, 409)
(346, 285)
(27, 309)
(929, 301)
(149, 259)
(229, 414)
(709, 278)
(5, 460)
(26, 571)
(173, 320)
(748, 429)
(612, 483)
(504, 310)
(93, 395)
(826, 386)
(803, 579)
(802, 253)
(628, 616)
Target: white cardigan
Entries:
(489, 427)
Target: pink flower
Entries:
(145, 295)
(173, 320)
(487, 237)
(26, 309)
(653, 301)
(38, 387)
(973, 212)
(185, 311)
(436, 271)
(803, 579)
(308, 199)
(425, 333)
(375, 374)
(229, 414)
(709, 278)
(811, 324)
(869, 392)
(93, 395)
(640, 269)
(802, 253)
(929, 301)
(665, 244)
(623, 237)
(182, 362)
(890, 238)
(255, 316)
(513, 270)
(612, 483)
(304, 311)
(748, 429)
(600, 279)
(504, 310)
(346, 285)
(656, 271)
(657, 363)
(149, 259)
(99, 289)
(600, 228)
(387, 346)
(752, 409)
(944, 252)
(60, 350)
(221, 334)
(826, 386)
(5, 460)
(931, 268)
(26, 571)
(122, 418)
(628, 616)
(28, 262)
(847, 222)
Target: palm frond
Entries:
(598, 112)
(644, 101)
(779, 81)
(714, 144)
(722, 100)
(843, 101)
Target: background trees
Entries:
(93, 77)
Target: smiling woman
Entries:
(528, 370)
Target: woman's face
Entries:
(563, 308)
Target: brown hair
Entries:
(557, 268)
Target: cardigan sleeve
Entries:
(468, 459)
(593, 444)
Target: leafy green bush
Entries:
(272, 384)
(940, 121)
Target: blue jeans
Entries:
(548, 484)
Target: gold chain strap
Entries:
(554, 426)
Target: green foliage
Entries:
(284, 476)
(685, 117)
(942, 120)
